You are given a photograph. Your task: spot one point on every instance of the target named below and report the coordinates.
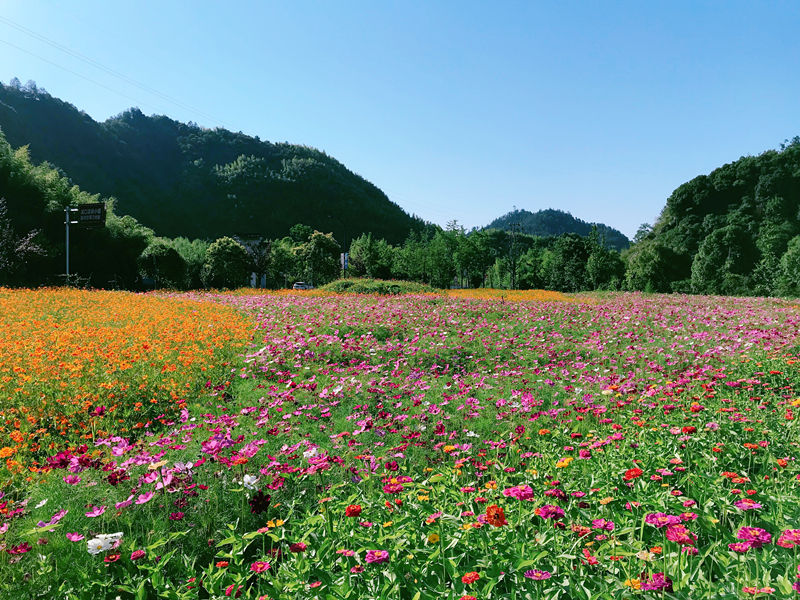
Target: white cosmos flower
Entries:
(98, 545)
(249, 481)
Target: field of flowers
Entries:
(415, 447)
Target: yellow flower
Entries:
(466, 526)
(423, 497)
(605, 500)
(564, 462)
(448, 448)
(275, 523)
(490, 485)
(388, 523)
(433, 538)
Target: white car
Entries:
(302, 285)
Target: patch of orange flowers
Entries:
(73, 363)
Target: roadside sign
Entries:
(92, 214)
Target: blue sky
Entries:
(457, 110)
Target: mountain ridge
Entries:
(554, 222)
(184, 180)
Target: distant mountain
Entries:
(551, 222)
(181, 179)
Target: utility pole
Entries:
(67, 222)
(514, 229)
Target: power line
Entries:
(75, 73)
(102, 67)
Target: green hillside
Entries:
(733, 231)
(184, 180)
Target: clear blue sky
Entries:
(457, 110)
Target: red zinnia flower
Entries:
(632, 474)
(353, 510)
(495, 516)
(470, 577)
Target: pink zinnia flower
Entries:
(377, 556)
(657, 582)
(755, 535)
(661, 519)
(259, 566)
(549, 511)
(603, 524)
(746, 504)
(740, 547)
(137, 554)
(789, 538)
(538, 575)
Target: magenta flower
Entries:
(746, 504)
(72, 479)
(789, 538)
(74, 537)
(538, 575)
(740, 547)
(259, 566)
(124, 503)
(681, 535)
(377, 556)
(176, 516)
(137, 554)
(96, 511)
(755, 535)
(657, 582)
(520, 492)
(144, 497)
(661, 519)
(603, 524)
(549, 511)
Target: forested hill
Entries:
(180, 179)
(733, 231)
(551, 222)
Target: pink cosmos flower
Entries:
(96, 511)
(144, 497)
(124, 503)
(74, 537)
(72, 479)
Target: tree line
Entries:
(735, 231)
